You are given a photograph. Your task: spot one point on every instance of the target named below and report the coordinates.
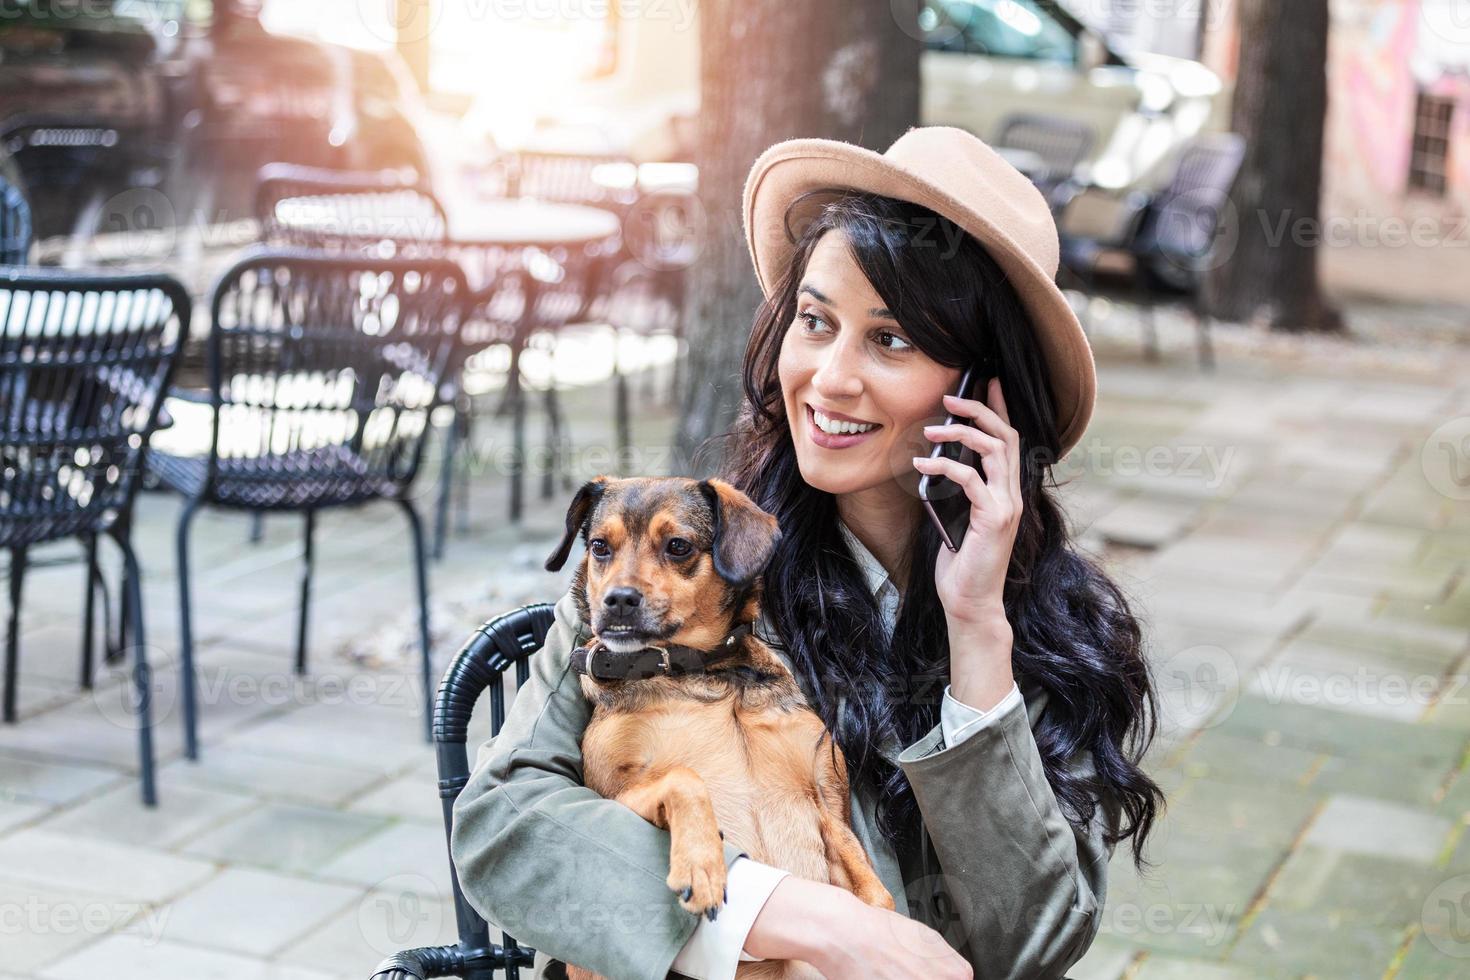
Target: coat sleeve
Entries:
(578, 877)
(1023, 887)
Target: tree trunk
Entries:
(414, 20)
(1280, 108)
(772, 70)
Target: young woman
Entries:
(992, 702)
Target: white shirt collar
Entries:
(880, 583)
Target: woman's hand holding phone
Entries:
(971, 580)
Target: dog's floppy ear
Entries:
(577, 516)
(745, 536)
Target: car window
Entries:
(998, 28)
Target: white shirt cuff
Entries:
(715, 949)
(958, 721)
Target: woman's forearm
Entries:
(793, 923)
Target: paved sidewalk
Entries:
(1294, 527)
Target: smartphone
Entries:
(945, 500)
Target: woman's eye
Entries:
(892, 340)
(678, 547)
(811, 320)
(599, 548)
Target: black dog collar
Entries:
(598, 662)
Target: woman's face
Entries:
(846, 364)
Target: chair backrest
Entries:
(85, 361)
(338, 209)
(328, 366)
(15, 225)
(505, 642)
(1182, 221)
(568, 178)
(1060, 144)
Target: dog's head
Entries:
(671, 560)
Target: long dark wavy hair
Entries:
(1074, 633)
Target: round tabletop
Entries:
(654, 176)
(521, 221)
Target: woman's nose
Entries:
(838, 376)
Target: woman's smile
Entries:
(833, 430)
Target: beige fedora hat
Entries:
(956, 175)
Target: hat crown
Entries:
(958, 164)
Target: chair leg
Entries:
(1202, 322)
(186, 636)
(142, 673)
(89, 613)
(622, 426)
(421, 573)
(257, 527)
(12, 634)
(306, 565)
(467, 446)
(516, 395)
(555, 437)
(1146, 315)
(446, 485)
(112, 651)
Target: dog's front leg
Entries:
(679, 801)
(847, 862)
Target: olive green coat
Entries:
(581, 878)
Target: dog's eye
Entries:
(678, 547)
(599, 548)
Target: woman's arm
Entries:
(1026, 886)
(540, 855)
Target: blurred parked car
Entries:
(984, 61)
(186, 97)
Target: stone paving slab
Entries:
(1275, 518)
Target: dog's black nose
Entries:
(622, 600)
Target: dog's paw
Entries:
(698, 879)
(873, 893)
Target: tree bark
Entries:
(1280, 107)
(772, 70)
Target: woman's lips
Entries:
(829, 441)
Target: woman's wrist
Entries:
(980, 660)
(798, 921)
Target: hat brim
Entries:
(788, 170)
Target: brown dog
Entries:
(697, 725)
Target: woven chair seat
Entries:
(330, 476)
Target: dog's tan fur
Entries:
(737, 751)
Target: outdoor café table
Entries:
(648, 177)
(486, 235)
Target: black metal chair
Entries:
(376, 213)
(1059, 145)
(15, 225)
(648, 289)
(313, 207)
(323, 374)
(15, 249)
(84, 363)
(536, 293)
(506, 641)
(1169, 238)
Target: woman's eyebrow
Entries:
(881, 312)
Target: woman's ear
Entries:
(744, 535)
(577, 516)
